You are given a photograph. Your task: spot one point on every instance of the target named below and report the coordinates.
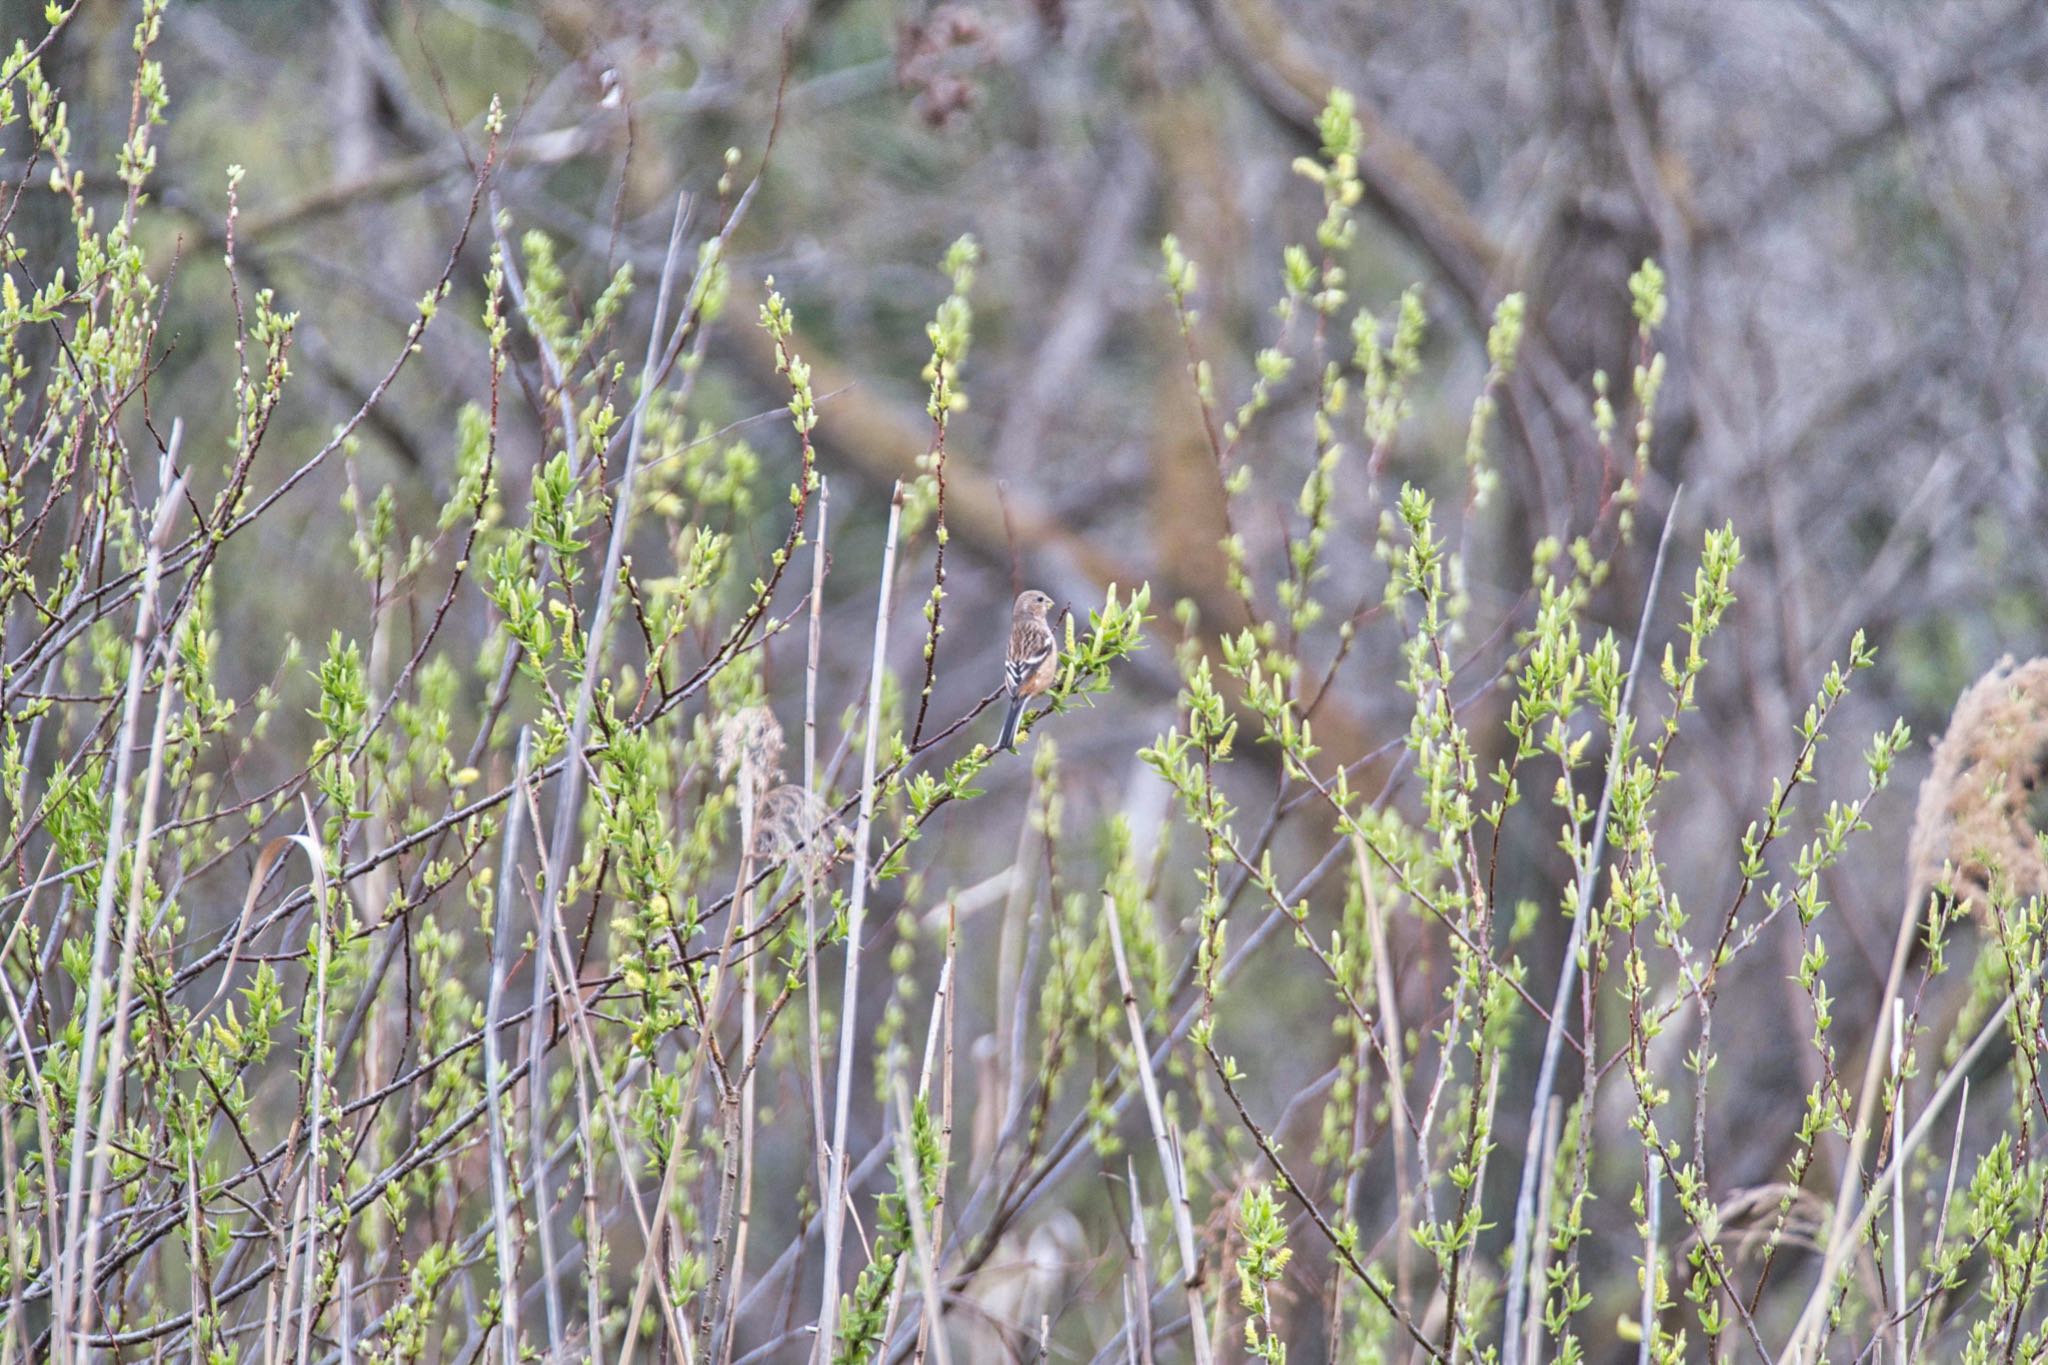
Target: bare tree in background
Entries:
(1847, 204)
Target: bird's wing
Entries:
(1031, 645)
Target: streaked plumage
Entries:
(1033, 661)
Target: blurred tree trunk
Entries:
(1189, 517)
(1597, 232)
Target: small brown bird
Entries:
(1033, 662)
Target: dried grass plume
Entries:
(794, 826)
(1974, 828)
(750, 739)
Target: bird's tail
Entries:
(1009, 739)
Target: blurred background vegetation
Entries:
(1849, 202)
(1848, 207)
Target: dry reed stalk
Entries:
(1169, 1163)
(849, 999)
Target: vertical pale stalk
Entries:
(301, 1238)
(815, 857)
(277, 1291)
(593, 1222)
(131, 939)
(1169, 1162)
(569, 795)
(45, 1132)
(1859, 1137)
(1849, 1228)
(940, 1022)
(1139, 1329)
(752, 781)
(571, 1004)
(1392, 1044)
(11, 1229)
(1010, 952)
(1553, 1128)
(1486, 1150)
(494, 1068)
(849, 1000)
(74, 1303)
(1652, 1201)
(1898, 1179)
(196, 1282)
(316, 1088)
(933, 1328)
(1948, 1194)
(344, 1311)
(1568, 972)
(947, 980)
(648, 1264)
(373, 892)
(536, 1093)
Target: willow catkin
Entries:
(1974, 828)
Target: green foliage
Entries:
(864, 1315)
(538, 768)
